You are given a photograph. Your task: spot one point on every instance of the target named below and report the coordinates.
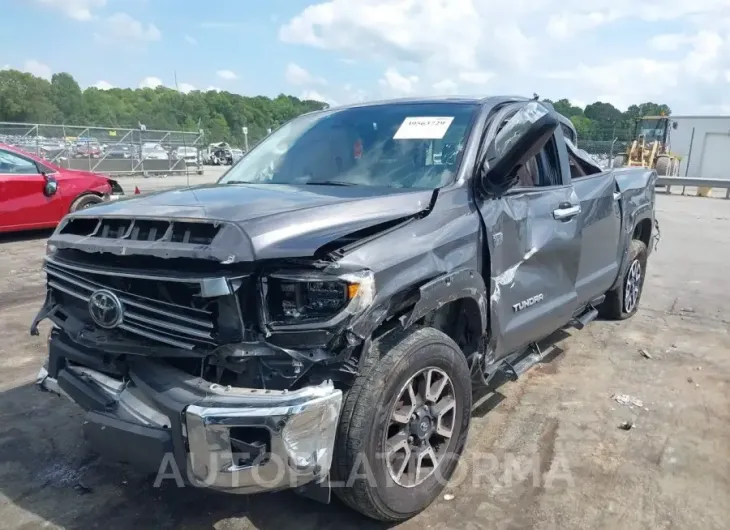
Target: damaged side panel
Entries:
(443, 242)
(599, 222)
(534, 261)
(638, 195)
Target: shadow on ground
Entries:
(30, 235)
(48, 472)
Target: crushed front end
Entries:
(229, 371)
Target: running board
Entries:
(515, 366)
(589, 314)
(582, 321)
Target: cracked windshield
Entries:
(399, 146)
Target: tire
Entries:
(364, 481)
(617, 306)
(84, 202)
(663, 163)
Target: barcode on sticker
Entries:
(423, 128)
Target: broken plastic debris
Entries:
(625, 399)
(448, 497)
(626, 425)
(645, 353)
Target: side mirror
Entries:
(518, 141)
(51, 186)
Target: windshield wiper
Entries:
(330, 183)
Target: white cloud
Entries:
(121, 28)
(103, 85)
(477, 77)
(5, 67)
(313, 95)
(446, 87)
(394, 83)
(38, 69)
(565, 26)
(150, 82)
(76, 9)
(226, 74)
(670, 42)
(574, 48)
(296, 75)
(186, 87)
(191, 40)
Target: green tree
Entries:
(25, 98)
(222, 115)
(567, 109)
(66, 95)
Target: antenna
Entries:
(174, 73)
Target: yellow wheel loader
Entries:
(650, 147)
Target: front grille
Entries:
(170, 312)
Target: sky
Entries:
(342, 51)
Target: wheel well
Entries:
(84, 194)
(460, 320)
(642, 232)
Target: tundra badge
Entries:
(519, 306)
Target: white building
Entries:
(703, 142)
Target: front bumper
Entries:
(230, 439)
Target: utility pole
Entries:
(245, 136)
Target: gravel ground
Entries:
(544, 452)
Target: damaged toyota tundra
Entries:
(319, 317)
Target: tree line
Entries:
(601, 121)
(222, 115)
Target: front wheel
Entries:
(85, 201)
(403, 425)
(622, 302)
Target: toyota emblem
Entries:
(106, 309)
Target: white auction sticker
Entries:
(425, 128)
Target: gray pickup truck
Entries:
(319, 317)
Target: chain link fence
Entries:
(114, 151)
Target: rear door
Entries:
(22, 202)
(534, 244)
(600, 225)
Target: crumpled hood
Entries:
(278, 220)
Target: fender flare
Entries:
(456, 285)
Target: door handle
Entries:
(567, 213)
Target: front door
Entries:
(534, 250)
(22, 202)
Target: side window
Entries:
(13, 164)
(576, 171)
(543, 170)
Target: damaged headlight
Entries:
(293, 298)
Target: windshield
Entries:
(652, 129)
(399, 145)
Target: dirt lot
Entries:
(545, 451)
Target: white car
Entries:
(154, 152)
(189, 154)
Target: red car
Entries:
(35, 193)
